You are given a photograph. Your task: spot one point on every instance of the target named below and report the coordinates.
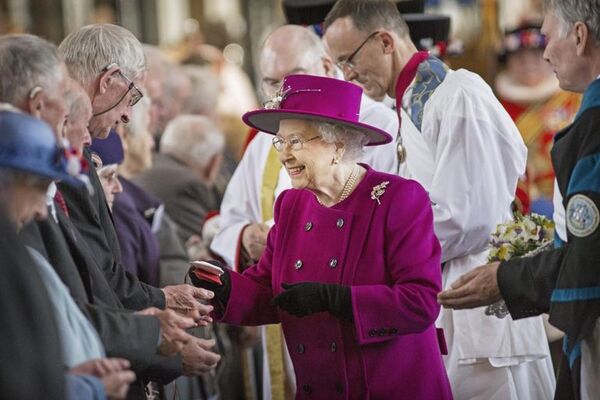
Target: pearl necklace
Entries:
(348, 185)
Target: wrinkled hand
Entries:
(116, 384)
(185, 299)
(254, 240)
(197, 357)
(474, 289)
(113, 372)
(100, 366)
(172, 329)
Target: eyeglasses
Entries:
(136, 93)
(347, 63)
(294, 141)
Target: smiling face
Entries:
(561, 54)
(311, 166)
(371, 66)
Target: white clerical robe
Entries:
(469, 156)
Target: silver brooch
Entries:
(275, 102)
(378, 191)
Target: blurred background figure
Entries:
(183, 173)
(528, 89)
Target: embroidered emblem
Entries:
(378, 191)
(582, 216)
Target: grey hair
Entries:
(92, 48)
(569, 12)
(369, 15)
(75, 98)
(192, 139)
(353, 139)
(205, 91)
(27, 61)
(140, 117)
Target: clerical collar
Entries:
(407, 75)
(591, 98)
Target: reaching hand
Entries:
(474, 289)
(254, 240)
(172, 328)
(306, 298)
(116, 384)
(185, 299)
(197, 358)
(113, 372)
(100, 366)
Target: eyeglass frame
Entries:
(131, 86)
(278, 140)
(347, 63)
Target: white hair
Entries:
(353, 139)
(92, 48)
(192, 139)
(205, 91)
(75, 98)
(569, 12)
(27, 61)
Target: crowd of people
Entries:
(347, 250)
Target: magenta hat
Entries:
(315, 98)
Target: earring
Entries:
(335, 161)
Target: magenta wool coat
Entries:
(388, 254)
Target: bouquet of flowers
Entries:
(525, 236)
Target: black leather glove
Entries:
(222, 291)
(306, 298)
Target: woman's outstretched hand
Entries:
(306, 298)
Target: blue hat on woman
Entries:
(28, 144)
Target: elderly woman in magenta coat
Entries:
(351, 267)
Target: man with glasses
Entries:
(95, 58)
(108, 62)
(460, 144)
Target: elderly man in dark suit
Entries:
(123, 333)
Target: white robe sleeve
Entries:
(479, 156)
(241, 202)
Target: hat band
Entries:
(281, 95)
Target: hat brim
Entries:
(268, 121)
(45, 174)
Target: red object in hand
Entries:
(207, 271)
(200, 274)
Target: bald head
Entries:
(292, 49)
